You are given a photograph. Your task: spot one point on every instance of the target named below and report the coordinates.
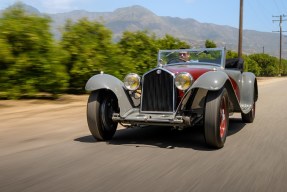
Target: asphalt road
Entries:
(46, 146)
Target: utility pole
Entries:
(280, 51)
(263, 50)
(240, 30)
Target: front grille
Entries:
(158, 92)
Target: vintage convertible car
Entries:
(188, 87)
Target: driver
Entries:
(184, 56)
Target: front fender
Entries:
(212, 80)
(105, 81)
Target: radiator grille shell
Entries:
(158, 92)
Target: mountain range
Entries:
(136, 18)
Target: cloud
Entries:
(56, 6)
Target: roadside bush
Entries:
(268, 64)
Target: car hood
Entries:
(194, 70)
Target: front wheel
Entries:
(216, 118)
(100, 108)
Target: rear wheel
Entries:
(250, 116)
(100, 108)
(216, 118)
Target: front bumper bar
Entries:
(165, 119)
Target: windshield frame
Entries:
(221, 64)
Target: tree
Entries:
(32, 63)
(251, 66)
(231, 54)
(170, 42)
(210, 44)
(90, 51)
(140, 49)
(5, 55)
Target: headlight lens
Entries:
(183, 81)
(132, 81)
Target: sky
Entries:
(258, 14)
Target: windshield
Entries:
(192, 56)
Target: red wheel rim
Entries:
(223, 121)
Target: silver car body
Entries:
(241, 86)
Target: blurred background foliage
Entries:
(33, 63)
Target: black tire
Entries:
(216, 118)
(250, 116)
(101, 105)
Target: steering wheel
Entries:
(176, 60)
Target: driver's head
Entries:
(184, 55)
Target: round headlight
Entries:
(132, 81)
(183, 81)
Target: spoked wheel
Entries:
(250, 116)
(216, 118)
(100, 108)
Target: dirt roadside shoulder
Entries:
(268, 80)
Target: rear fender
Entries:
(105, 81)
(249, 91)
